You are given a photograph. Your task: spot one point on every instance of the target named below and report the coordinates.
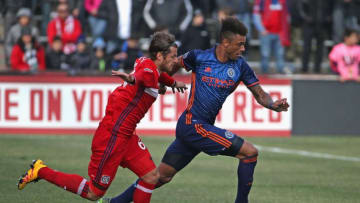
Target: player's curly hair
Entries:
(231, 26)
(161, 42)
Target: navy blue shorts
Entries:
(199, 136)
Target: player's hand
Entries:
(280, 105)
(162, 89)
(180, 86)
(126, 77)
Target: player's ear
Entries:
(159, 56)
(226, 41)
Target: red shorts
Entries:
(109, 151)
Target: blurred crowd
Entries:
(85, 36)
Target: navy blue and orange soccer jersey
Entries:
(212, 82)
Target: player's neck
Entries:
(158, 64)
(220, 54)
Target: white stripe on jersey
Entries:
(152, 91)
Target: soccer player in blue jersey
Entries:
(216, 73)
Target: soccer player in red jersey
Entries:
(115, 142)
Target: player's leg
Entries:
(101, 163)
(71, 182)
(176, 157)
(138, 160)
(247, 156)
(220, 141)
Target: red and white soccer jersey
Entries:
(114, 142)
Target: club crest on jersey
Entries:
(105, 179)
(208, 69)
(231, 72)
(229, 134)
(148, 70)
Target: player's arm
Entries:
(187, 61)
(167, 80)
(265, 100)
(126, 77)
(177, 66)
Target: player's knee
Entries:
(151, 177)
(92, 196)
(253, 151)
(248, 150)
(165, 179)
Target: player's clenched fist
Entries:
(280, 105)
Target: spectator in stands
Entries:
(344, 16)
(345, 57)
(55, 58)
(294, 52)
(271, 20)
(96, 18)
(9, 9)
(242, 10)
(13, 35)
(80, 61)
(48, 10)
(66, 27)
(125, 20)
(208, 7)
(130, 51)
(196, 36)
(98, 61)
(174, 14)
(316, 16)
(27, 55)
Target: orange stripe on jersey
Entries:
(188, 118)
(213, 136)
(191, 100)
(183, 64)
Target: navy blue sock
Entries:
(245, 178)
(126, 196)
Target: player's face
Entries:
(235, 47)
(170, 60)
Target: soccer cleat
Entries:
(32, 174)
(104, 200)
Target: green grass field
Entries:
(279, 177)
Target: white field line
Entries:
(307, 153)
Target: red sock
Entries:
(143, 192)
(70, 182)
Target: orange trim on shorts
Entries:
(191, 100)
(213, 136)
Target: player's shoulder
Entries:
(241, 62)
(200, 54)
(145, 64)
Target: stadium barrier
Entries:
(325, 107)
(60, 104)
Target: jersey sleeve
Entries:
(188, 60)
(146, 77)
(165, 79)
(248, 76)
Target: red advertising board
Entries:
(58, 104)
